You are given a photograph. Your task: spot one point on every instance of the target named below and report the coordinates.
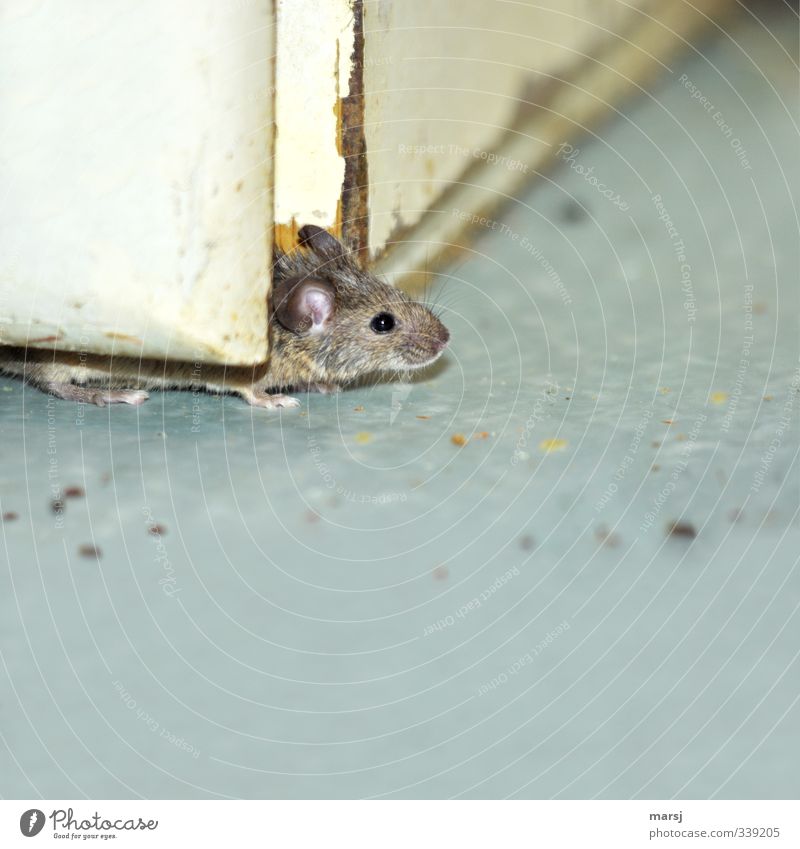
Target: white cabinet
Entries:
(136, 176)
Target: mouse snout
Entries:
(424, 337)
(436, 336)
(441, 340)
(432, 339)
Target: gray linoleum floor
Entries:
(341, 602)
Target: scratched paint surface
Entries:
(562, 564)
(137, 177)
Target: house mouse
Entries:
(330, 323)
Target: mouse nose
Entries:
(442, 339)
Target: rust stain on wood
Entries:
(123, 337)
(353, 146)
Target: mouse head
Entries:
(347, 321)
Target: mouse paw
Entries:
(325, 388)
(96, 396)
(260, 398)
(134, 397)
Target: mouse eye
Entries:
(382, 323)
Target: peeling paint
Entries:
(313, 65)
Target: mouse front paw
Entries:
(134, 397)
(267, 400)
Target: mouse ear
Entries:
(320, 241)
(303, 306)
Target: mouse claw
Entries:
(268, 401)
(283, 401)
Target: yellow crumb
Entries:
(458, 439)
(718, 397)
(548, 445)
(363, 437)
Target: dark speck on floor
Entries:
(572, 212)
(685, 530)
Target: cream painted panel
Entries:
(136, 176)
(443, 82)
(315, 45)
(594, 87)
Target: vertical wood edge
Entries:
(354, 212)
